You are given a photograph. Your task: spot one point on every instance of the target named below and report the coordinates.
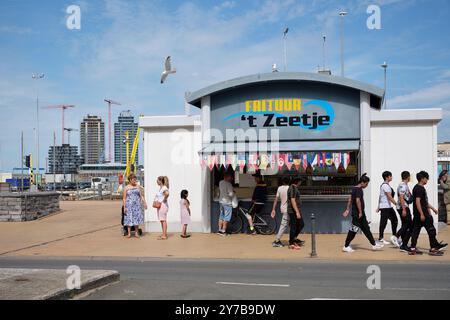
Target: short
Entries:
(225, 212)
(255, 208)
(162, 212)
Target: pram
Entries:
(125, 228)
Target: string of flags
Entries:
(292, 161)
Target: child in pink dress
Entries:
(185, 212)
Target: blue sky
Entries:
(119, 51)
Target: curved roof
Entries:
(194, 98)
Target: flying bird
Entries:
(167, 70)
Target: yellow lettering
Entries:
(288, 105)
(270, 105)
(279, 105)
(247, 106)
(297, 105)
(263, 105)
(256, 106)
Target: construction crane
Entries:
(110, 103)
(69, 130)
(63, 108)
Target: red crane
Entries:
(63, 108)
(110, 102)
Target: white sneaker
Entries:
(348, 249)
(394, 241)
(377, 247)
(378, 243)
(400, 242)
(383, 241)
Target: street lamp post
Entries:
(384, 66)
(342, 14)
(285, 49)
(37, 76)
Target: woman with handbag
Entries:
(133, 201)
(160, 203)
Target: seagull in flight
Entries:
(167, 70)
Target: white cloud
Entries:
(428, 97)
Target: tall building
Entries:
(92, 140)
(63, 159)
(125, 123)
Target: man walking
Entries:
(404, 200)
(385, 202)
(423, 218)
(359, 220)
(225, 203)
(282, 195)
(295, 215)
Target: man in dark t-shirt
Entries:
(295, 214)
(359, 220)
(423, 218)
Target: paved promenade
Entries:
(92, 229)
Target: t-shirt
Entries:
(226, 192)
(282, 194)
(260, 193)
(403, 189)
(420, 192)
(293, 192)
(357, 192)
(383, 201)
(160, 194)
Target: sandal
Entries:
(185, 236)
(162, 238)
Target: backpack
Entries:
(392, 190)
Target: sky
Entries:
(119, 52)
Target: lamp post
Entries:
(342, 14)
(37, 76)
(384, 66)
(284, 47)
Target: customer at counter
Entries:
(259, 199)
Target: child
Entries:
(185, 213)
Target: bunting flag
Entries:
(226, 161)
(329, 159)
(264, 161)
(289, 161)
(234, 161)
(305, 160)
(337, 159)
(203, 161)
(346, 159)
(252, 160)
(211, 161)
(241, 162)
(223, 160)
(273, 161)
(315, 161)
(297, 161)
(281, 160)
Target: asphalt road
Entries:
(256, 280)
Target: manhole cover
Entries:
(21, 279)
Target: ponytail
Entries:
(364, 179)
(166, 181)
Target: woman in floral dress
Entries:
(133, 201)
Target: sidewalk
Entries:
(92, 229)
(49, 284)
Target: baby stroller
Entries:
(125, 228)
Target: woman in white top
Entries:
(161, 197)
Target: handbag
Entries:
(156, 204)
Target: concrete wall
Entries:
(402, 140)
(171, 146)
(17, 207)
